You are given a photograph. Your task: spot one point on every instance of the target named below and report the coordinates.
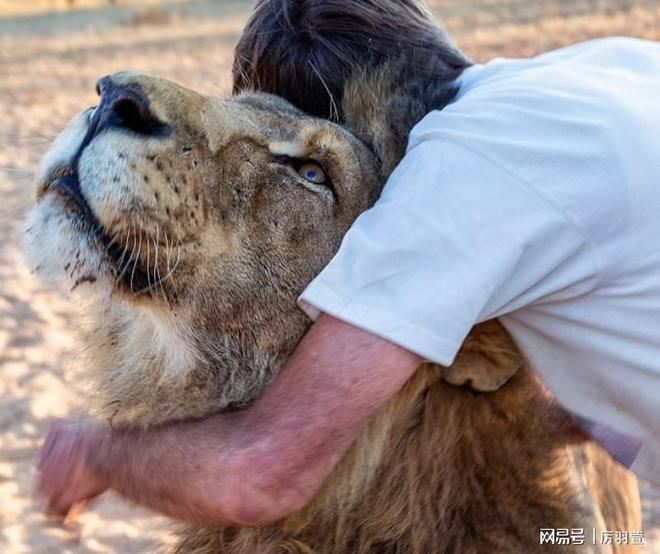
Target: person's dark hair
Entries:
(307, 50)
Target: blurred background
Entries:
(51, 53)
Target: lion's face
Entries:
(206, 217)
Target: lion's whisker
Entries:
(14, 139)
(14, 169)
(113, 240)
(176, 264)
(148, 264)
(13, 210)
(178, 254)
(170, 270)
(136, 259)
(168, 250)
(334, 112)
(124, 270)
(248, 80)
(121, 258)
(160, 280)
(157, 276)
(156, 245)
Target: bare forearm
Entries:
(167, 468)
(258, 465)
(336, 379)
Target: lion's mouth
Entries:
(66, 182)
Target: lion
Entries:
(186, 227)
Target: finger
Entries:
(50, 479)
(68, 506)
(58, 448)
(52, 485)
(74, 511)
(47, 451)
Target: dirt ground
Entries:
(50, 58)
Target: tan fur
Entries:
(442, 468)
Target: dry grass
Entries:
(48, 65)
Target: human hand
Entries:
(65, 478)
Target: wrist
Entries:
(95, 444)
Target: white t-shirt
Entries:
(534, 198)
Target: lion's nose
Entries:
(126, 106)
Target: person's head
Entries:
(308, 50)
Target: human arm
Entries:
(250, 467)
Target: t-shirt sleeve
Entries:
(454, 239)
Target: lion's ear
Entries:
(381, 112)
(487, 359)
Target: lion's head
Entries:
(194, 223)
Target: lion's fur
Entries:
(442, 468)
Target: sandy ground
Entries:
(49, 61)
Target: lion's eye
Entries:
(309, 170)
(313, 173)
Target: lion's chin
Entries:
(59, 245)
(65, 244)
